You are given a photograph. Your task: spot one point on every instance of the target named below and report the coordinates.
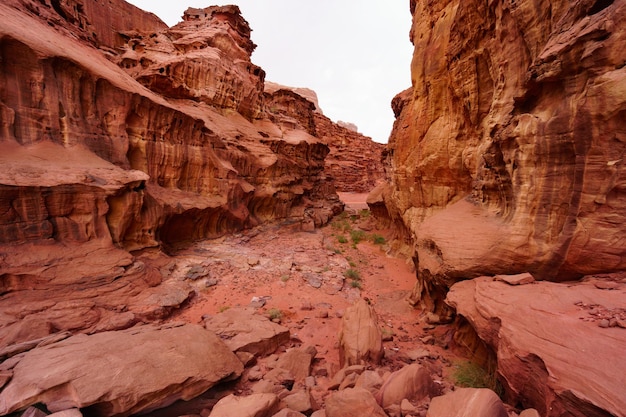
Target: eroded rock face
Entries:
(550, 334)
(150, 368)
(354, 162)
(506, 155)
(119, 134)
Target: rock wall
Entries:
(119, 134)
(354, 162)
(507, 152)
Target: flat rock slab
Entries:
(245, 331)
(120, 373)
(547, 333)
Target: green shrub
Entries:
(355, 284)
(365, 213)
(352, 274)
(378, 239)
(342, 239)
(274, 313)
(470, 375)
(357, 236)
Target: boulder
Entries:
(301, 401)
(286, 412)
(412, 382)
(254, 405)
(244, 330)
(548, 333)
(360, 338)
(297, 361)
(467, 402)
(370, 380)
(120, 373)
(353, 402)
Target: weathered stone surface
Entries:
(506, 155)
(518, 279)
(544, 333)
(120, 373)
(360, 338)
(370, 380)
(296, 361)
(467, 402)
(244, 330)
(254, 405)
(412, 382)
(95, 164)
(301, 401)
(353, 402)
(286, 412)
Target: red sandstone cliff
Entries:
(119, 134)
(507, 157)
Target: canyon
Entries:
(173, 241)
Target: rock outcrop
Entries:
(120, 134)
(551, 334)
(354, 162)
(120, 373)
(506, 155)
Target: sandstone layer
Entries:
(506, 158)
(507, 152)
(119, 134)
(550, 335)
(354, 162)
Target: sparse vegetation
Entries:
(342, 239)
(357, 236)
(355, 284)
(284, 278)
(353, 274)
(364, 214)
(274, 314)
(378, 239)
(224, 308)
(468, 374)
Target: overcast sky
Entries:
(356, 55)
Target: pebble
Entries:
(604, 323)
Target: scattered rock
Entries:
(370, 380)
(72, 412)
(519, 279)
(353, 402)
(301, 401)
(243, 330)
(286, 412)
(467, 402)
(530, 412)
(360, 338)
(254, 405)
(412, 382)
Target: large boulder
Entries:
(413, 382)
(360, 338)
(353, 402)
(467, 402)
(551, 334)
(254, 405)
(120, 373)
(245, 331)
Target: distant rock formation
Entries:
(120, 134)
(354, 162)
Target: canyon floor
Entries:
(305, 281)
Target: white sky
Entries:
(356, 55)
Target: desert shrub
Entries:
(274, 313)
(355, 284)
(357, 236)
(468, 374)
(352, 274)
(378, 239)
(342, 239)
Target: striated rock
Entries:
(542, 332)
(506, 154)
(120, 373)
(412, 382)
(354, 161)
(244, 331)
(360, 338)
(467, 402)
(254, 405)
(111, 142)
(353, 402)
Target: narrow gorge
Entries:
(173, 241)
